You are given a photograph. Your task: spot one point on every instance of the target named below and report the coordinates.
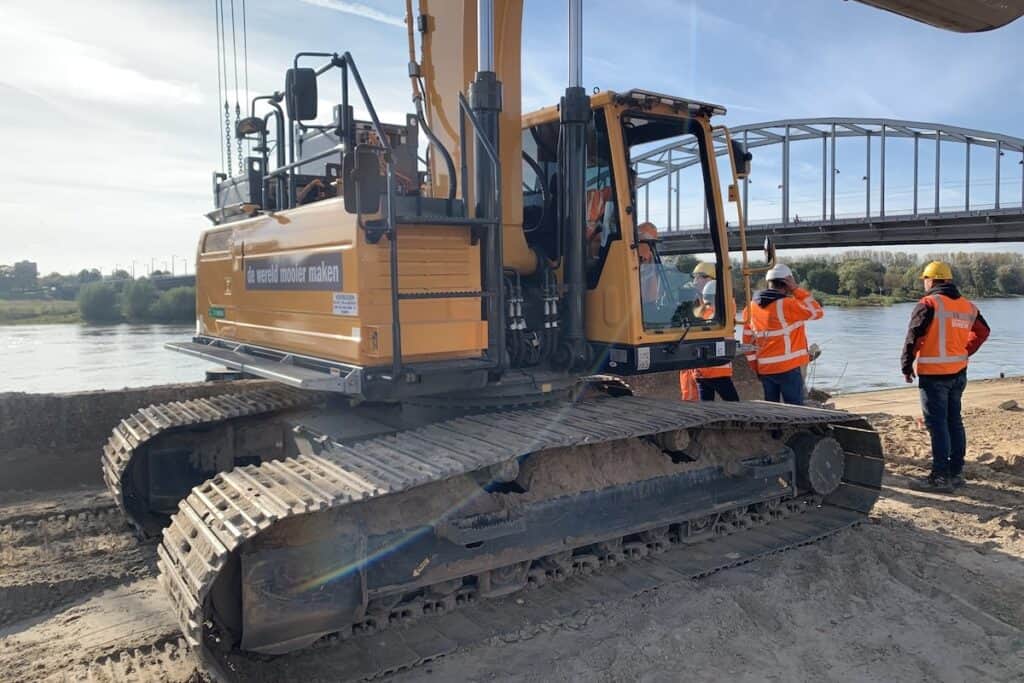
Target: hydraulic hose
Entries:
(418, 92)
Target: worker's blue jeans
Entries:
(940, 403)
(786, 386)
(723, 386)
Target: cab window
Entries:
(674, 290)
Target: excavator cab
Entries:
(640, 314)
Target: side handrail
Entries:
(465, 111)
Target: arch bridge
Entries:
(843, 182)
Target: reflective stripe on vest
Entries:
(943, 348)
(773, 357)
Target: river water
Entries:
(860, 351)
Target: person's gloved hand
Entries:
(909, 379)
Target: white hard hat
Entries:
(779, 272)
(708, 293)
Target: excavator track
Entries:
(131, 438)
(214, 540)
(420, 633)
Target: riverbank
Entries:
(860, 301)
(38, 312)
(843, 301)
(983, 394)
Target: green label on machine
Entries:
(216, 312)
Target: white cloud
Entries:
(42, 61)
(360, 10)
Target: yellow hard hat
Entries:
(937, 270)
(706, 269)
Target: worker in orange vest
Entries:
(775, 327)
(945, 328)
(718, 378)
(704, 273)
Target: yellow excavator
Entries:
(449, 341)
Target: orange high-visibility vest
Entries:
(778, 332)
(707, 312)
(943, 348)
(688, 385)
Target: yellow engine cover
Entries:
(305, 281)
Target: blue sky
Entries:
(111, 115)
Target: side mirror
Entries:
(249, 126)
(769, 251)
(300, 94)
(742, 158)
(362, 181)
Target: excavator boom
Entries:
(963, 16)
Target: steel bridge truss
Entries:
(926, 222)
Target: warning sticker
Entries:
(720, 348)
(345, 304)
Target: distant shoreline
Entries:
(880, 300)
(38, 312)
(61, 312)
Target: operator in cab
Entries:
(774, 326)
(945, 329)
(650, 276)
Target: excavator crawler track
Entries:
(299, 504)
(418, 634)
(131, 438)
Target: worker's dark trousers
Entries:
(940, 403)
(723, 386)
(786, 386)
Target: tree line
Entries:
(897, 275)
(870, 276)
(138, 301)
(100, 300)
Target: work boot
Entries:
(957, 480)
(933, 483)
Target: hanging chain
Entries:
(238, 115)
(227, 135)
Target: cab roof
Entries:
(641, 98)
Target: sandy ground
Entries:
(930, 590)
